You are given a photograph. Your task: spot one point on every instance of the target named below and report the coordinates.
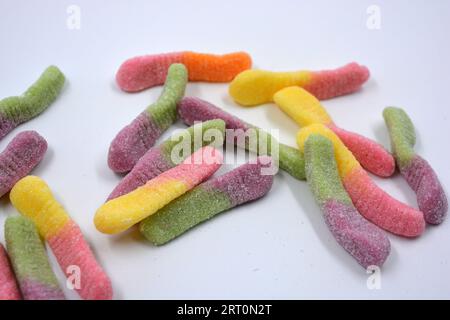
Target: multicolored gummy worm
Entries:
(417, 171)
(365, 242)
(241, 185)
(18, 109)
(372, 202)
(29, 260)
(305, 109)
(9, 289)
(22, 154)
(162, 158)
(144, 72)
(135, 139)
(255, 87)
(192, 109)
(121, 213)
(32, 197)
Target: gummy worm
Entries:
(29, 260)
(194, 109)
(8, 284)
(18, 109)
(305, 109)
(33, 198)
(241, 185)
(159, 159)
(144, 72)
(136, 138)
(121, 213)
(417, 171)
(364, 241)
(255, 87)
(372, 202)
(22, 154)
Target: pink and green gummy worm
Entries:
(192, 109)
(417, 171)
(135, 139)
(241, 185)
(22, 154)
(32, 197)
(159, 159)
(18, 109)
(29, 260)
(9, 289)
(364, 241)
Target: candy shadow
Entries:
(315, 216)
(193, 89)
(113, 85)
(45, 163)
(382, 135)
(130, 237)
(4, 203)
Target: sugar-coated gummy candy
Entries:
(9, 290)
(121, 213)
(305, 109)
(417, 171)
(243, 184)
(254, 87)
(22, 154)
(18, 109)
(135, 139)
(160, 159)
(368, 244)
(193, 109)
(372, 202)
(144, 72)
(29, 260)
(32, 197)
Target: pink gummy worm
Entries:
(328, 84)
(370, 154)
(76, 259)
(21, 155)
(143, 72)
(196, 168)
(380, 208)
(8, 285)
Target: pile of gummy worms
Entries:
(166, 197)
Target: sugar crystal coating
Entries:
(305, 109)
(39, 96)
(33, 198)
(193, 109)
(238, 186)
(119, 214)
(9, 289)
(131, 143)
(255, 87)
(371, 201)
(365, 242)
(159, 159)
(29, 260)
(144, 72)
(417, 171)
(21, 155)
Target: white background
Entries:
(277, 247)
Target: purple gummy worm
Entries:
(22, 154)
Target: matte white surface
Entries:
(279, 246)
